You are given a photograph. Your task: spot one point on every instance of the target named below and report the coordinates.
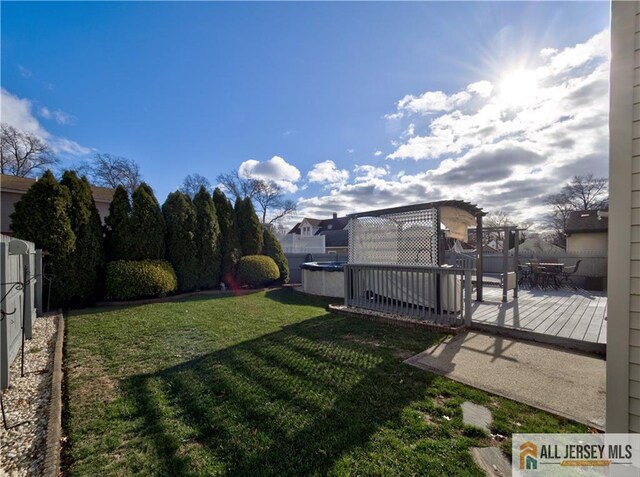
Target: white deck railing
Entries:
(438, 294)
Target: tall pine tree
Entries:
(117, 236)
(146, 225)
(249, 227)
(180, 219)
(229, 243)
(273, 249)
(207, 239)
(83, 274)
(42, 216)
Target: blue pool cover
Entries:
(324, 266)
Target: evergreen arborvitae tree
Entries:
(117, 235)
(207, 240)
(180, 219)
(273, 249)
(229, 243)
(84, 272)
(249, 227)
(42, 216)
(146, 225)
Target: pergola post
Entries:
(441, 237)
(516, 246)
(479, 257)
(505, 263)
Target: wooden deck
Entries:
(566, 317)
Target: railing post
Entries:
(39, 281)
(27, 312)
(467, 297)
(4, 318)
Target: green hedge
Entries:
(257, 270)
(273, 249)
(127, 280)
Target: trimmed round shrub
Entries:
(257, 270)
(127, 280)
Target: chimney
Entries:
(335, 216)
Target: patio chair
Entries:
(541, 276)
(524, 275)
(568, 273)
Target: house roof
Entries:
(337, 223)
(313, 222)
(22, 184)
(586, 221)
(473, 209)
(335, 238)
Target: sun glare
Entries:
(519, 88)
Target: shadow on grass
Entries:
(289, 296)
(206, 295)
(288, 403)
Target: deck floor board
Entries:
(565, 313)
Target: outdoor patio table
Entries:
(553, 268)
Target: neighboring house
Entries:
(332, 234)
(587, 231)
(12, 188)
(623, 306)
(538, 245)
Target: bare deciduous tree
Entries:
(268, 195)
(270, 198)
(108, 170)
(582, 193)
(23, 153)
(239, 186)
(192, 183)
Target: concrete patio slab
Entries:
(563, 382)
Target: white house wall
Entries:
(623, 330)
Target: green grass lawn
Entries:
(265, 384)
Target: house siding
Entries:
(634, 329)
(588, 242)
(623, 331)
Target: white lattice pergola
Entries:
(412, 235)
(397, 238)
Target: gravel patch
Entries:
(395, 319)
(22, 449)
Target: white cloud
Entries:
(24, 72)
(18, 113)
(410, 131)
(432, 102)
(481, 88)
(58, 116)
(275, 169)
(493, 148)
(327, 172)
(61, 144)
(377, 153)
(351, 151)
(548, 52)
(368, 172)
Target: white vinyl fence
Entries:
(294, 243)
(14, 315)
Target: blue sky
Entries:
(205, 87)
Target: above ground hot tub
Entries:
(323, 278)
